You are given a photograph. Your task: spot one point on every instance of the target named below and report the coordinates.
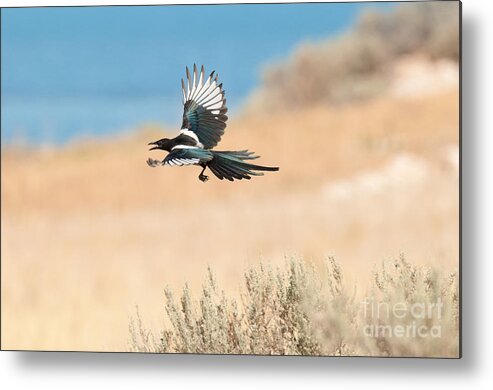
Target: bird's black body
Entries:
(204, 121)
(168, 144)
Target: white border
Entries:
(123, 371)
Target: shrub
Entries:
(296, 310)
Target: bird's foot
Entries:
(153, 163)
(203, 178)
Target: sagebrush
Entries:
(298, 310)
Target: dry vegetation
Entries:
(361, 63)
(298, 310)
(89, 230)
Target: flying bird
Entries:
(204, 121)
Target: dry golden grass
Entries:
(89, 230)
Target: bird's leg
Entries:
(202, 177)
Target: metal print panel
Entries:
(270, 179)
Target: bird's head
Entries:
(162, 144)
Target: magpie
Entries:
(204, 121)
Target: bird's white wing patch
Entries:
(182, 161)
(184, 147)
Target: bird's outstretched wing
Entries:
(183, 156)
(204, 107)
(187, 156)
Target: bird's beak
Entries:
(153, 143)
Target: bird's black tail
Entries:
(233, 165)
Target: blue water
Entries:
(72, 72)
